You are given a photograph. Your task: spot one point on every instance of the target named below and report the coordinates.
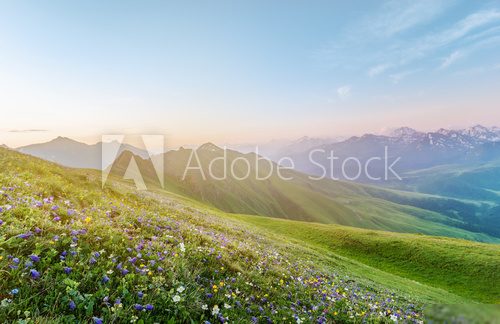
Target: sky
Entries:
(245, 71)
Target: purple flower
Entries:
(92, 260)
(72, 305)
(140, 294)
(124, 272)
(56, 219)
(55, 207)
(149, 307)
(105, 279)
(67, 270)
(71, 212)
(138, 307)
(1, 221)
(14, 291)
(15, 260)
(25, 235)
(34, 258)
(34, 274)
(118, 301)
(97, 320)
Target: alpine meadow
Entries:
(249, 162)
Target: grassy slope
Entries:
(201, 252)
(437, 269)
(462, 267)
(310, 244)
(303, 199)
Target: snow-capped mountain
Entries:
(415, 150)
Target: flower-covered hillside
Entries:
(71, 251)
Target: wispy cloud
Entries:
(444, 38)
(398, 77)
(344, 92)
(378, 69)
(399, 16)
(27, 130)
(450, 59)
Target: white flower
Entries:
(394, 318)
(176, 298)
(227, 306)
(215, 310)
(182, 247)
(204, 306)
(180, 289)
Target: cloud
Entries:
(344, 92)
(456, 32)
(450, 59)
(398, 77)
(399, 16)
(378, 69)
(27, 130)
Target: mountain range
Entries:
(300, 198)
(74, 154)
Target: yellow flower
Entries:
(88, 220)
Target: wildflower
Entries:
(87, 220)
(97, 320)
(67, 270)
(1, 221)
(56, 219)
(140, 294)
(92, 260)
(215, 310)
(72, 305)
(180, 289)
(34, 258)
(25, 235)
(14, 291)
(138, 307)
(149, 307)
(71, 212)
(182, 247)
(204, 306)
(176, 298)
(34, 274)
(227, 306)
(105, 279)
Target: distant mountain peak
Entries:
(404, 131)
(209, 147)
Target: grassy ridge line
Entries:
(461, 267)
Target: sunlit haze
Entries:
(245, 72)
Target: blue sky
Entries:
(245, 71)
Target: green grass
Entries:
(260, 267)
(465, 268)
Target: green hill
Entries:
(300, 198)
(71, 251)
